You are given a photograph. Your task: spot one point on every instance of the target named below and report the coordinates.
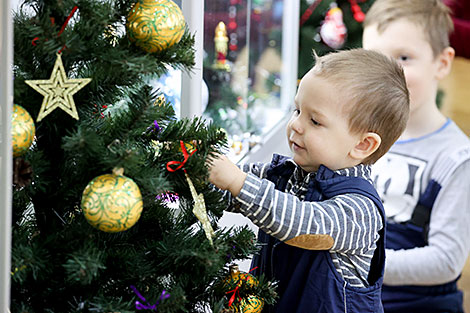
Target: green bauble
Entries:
(22, 130)
(155, 25)
(112, 203)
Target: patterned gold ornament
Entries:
(190, 146)
(112, 202)
(58, 91)
(248, 304)
(251, 304)
(160, 100)
(155, 25)
(22, 130)
(240, 277)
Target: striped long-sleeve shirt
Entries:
(352, 220)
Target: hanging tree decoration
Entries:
(200, 211)
(236, 281)
(199, 208)
(112, 202)
(22, 130)
(358, 15)
(58, 91)
(333, 30)
(155, 25)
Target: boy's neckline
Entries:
(359, 170)
(447, 123)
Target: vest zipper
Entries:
(272, 257)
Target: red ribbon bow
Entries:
(181, 164)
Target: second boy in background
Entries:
(424, 180)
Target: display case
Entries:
(246, 69)
(249, 68)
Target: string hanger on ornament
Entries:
(58, 90)
(35, 40)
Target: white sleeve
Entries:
(449, 239)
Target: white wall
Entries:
(14, 3)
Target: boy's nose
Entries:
(296, 125)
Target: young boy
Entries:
(424, 180)
(320, 219)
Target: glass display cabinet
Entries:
(249, 68)
(246, 69)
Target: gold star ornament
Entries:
(58, 91)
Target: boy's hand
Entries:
(225, 175)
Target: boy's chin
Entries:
(303, 165)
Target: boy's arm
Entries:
(223, 166)
(226, 175)
(443, 259)
(352, 221)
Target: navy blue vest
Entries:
(445, 298)
(308, 280)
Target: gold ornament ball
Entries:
(251, 304)
(22, 130)
(112, 203)
(240, 278)
(155, 25)
(190, 147)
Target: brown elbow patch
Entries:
(312, 242)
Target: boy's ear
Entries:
(369, 143)
(444, 60)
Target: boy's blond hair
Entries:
(432, 16)
(374, 91)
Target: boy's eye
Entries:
(403, 58)
(296, 111)
(315, 122)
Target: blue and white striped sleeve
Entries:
(352, 220)
(257, 169)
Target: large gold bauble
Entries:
(22, 130)
(155, 25)
(112, 203)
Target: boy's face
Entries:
(405, 42)
(318, 131)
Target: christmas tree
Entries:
(328, 25)
(109, 186)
